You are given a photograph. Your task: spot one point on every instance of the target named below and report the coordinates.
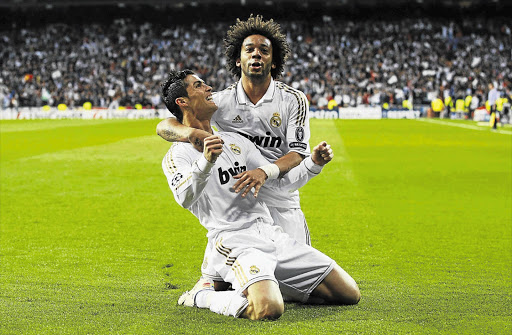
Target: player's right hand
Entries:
(212, 148)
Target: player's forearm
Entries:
(297, 177)
(288, 162)
(172, 130)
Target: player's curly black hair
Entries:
(255, 25)
(174, 87)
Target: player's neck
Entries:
(255, 89)
(192, 122)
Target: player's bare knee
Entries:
(269, 311)
(338, 288)
(348, 291)
(353, 296)
(265, 309)
(265, 301)
(347, 295)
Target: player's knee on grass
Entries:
(265, 301)
(265, 309)
(337, 288)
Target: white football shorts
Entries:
(293, 222)
(263, 251)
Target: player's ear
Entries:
(181, 101)
(238, 62)
(273, 65)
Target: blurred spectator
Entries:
(364, 61)
(492, 97)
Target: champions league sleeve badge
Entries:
(176, 179)
(275, 120)
(299, 134)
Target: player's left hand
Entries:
(248, 180)
(322, 154)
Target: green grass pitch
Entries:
(92, 242)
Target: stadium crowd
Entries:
(334, 61)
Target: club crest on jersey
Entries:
(236, 149)
(275, 120)
(254, 270)
(299, 134)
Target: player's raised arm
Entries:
(310, 167)
(288, 162)
(298, 177)
(172, 130)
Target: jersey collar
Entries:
(244, 100)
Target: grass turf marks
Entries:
(93, 242)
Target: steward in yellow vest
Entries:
(467, 102)
(437, 107)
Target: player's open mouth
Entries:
(256, 65)
(209, 98)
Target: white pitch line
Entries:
(342, 155)
(467, 126)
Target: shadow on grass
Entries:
(303, 312)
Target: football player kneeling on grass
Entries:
(247, 250)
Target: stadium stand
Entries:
(67, 57)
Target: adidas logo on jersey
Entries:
(264, 141)
(237, 119)
(225, 176)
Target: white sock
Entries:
(203, 298)
(229, 303)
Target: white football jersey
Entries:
(206, 189)
(276, 124)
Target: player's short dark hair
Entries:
(174, 87)
(255, 25)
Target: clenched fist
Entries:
(212, 148)
(322, 154)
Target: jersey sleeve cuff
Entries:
(311, 166)
(204, 165)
